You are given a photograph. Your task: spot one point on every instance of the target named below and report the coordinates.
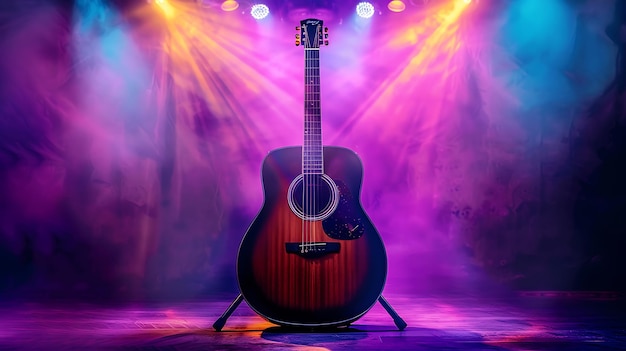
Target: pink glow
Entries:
(152, 129)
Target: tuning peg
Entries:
(297, 42)
(297, 36)
(326, 42)
(325, 29)
(298, 28)
(326, 36)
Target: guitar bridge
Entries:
(312, 250)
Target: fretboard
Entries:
(312, 152)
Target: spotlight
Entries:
(396, 6)
(259, 11)
(467, 1)
(166, 7)
(230, 5)
(365, 9)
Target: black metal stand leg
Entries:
(400, 323)
(220, 322)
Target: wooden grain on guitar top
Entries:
(302, 283)
(290, 289)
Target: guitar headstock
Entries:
(311, 34)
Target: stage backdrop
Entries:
(131, 139)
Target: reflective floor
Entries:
(563, 321)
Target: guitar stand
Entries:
(220, 322)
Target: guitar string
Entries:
(314, 148)
(308, 189)
(317, 120)
(304, 147)
(304, 163)
(311, 164)
(311, 149)
(311, 158)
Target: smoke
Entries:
(130, 143)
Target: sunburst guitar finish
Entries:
(322, 287)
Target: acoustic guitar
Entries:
(311, 257)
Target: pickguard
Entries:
(346, 222)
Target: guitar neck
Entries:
(312, 152)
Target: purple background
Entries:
(131, 138)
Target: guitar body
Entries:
(298, 269)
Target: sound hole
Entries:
(313, 197)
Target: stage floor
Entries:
(587, 322)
